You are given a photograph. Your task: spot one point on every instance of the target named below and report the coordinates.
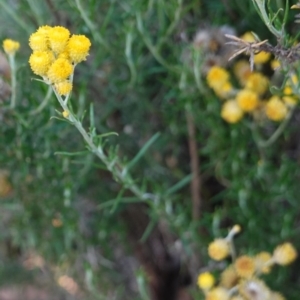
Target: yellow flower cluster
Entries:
(10, 46)
(55, 54)
(240, 280)
(253, 96)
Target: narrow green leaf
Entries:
(121, 200)
(70, 153)
(142, 152)
(183, 182)
(148, 230)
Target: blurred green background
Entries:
(65, 214)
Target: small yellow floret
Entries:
(263, 262)
(206, 281)
(58, 38)
(288, 96)
(78, 48)
(262, 57)
(236, 228)
(224, 90)
(285, 254)
(257, 83)
(60, 70)
(217, 77)
(247, 100)
(63, 88)
(244, 266)
(10, 46)
(40, 62)
(275, 64)
(38, 42)
(218, 293)
(219, 249)
(229, 277)
(276, 109)
(44, 29)
(242, 71)
(231, 112)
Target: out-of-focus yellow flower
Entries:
(44, 30)
(219, 249)
(288, 96)
(63, 88)
(60, 70)
(218, 293)
(236, 229)
(284, 254)
(257, 83)
(244, 266)
(229, 278)
(10, 46)
(231, 112)
(275, 64)
(262, 57)
(58, 38)
(206, 281)
(69, 284)
(248, 37)
(276, 109)
(242, 71)
(78, 48)
(262, 262)
(38, 42)
(5, 186)
(254, 289)
(217, 77)
(224, 90)
(247, 100)
(40, 62)
(276, 296)
(57, 222)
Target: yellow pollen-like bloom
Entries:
(242, 71)
(229, 278)
(205, 281)
(247, 100)
(262, 57)
(224, 90)
(231, 112)
(64, 54)
(217, 77)
(44, 30)
(218, 293)
(40, 62)
(276, 109)
(10, 46)
(275, 64)
(218, 249)
(38, 42)
(254, 289)
(288, 97)
(58, 38)
(244, 266)
(284, 254)
(60, 70)
(263, 262)
(63, 88)
(248, 37)
(78, 48)
(257, 83)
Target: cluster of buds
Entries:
(55, 54)
(253, 97)
(240, 280)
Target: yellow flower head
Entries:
(254, 289)
(262, 57)
(242, 71)
(248, 37)
(60, 70)
(63, 88)
(229, 278)
(247, 100)
(10, 46)
(217, 77)
(58, 38)
(231, 112)
(44, 30)
(218, 293)
(78, 48)
(244, 266)
(288, 96)
(257, 83)
(224, 90)
(263, 262)
(206, 281)
(40, 62)
(276, 109)
(285, 254)
(219, 249)
(275, 64)
(38, 42)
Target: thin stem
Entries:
(13, 79)
(130, 62)
(43, 103)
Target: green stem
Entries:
(12, 63)
(43, 103)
